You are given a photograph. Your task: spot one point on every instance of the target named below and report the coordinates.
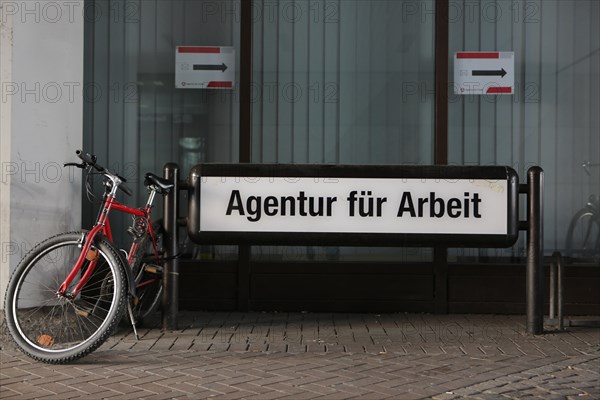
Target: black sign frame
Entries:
(449, 173)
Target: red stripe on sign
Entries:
(499, 89)
(205, 50)
(478, 55)
(217, 84)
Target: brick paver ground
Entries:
(326, 356)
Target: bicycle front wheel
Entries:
(58, 329)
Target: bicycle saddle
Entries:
(162, 184)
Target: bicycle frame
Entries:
(69, 293)
(102, 226)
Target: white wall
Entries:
(5, 121)
(41, 92)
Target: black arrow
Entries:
(210, 67)
(500, 72)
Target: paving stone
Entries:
(336, 356)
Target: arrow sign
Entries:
(205, 67)
(210, 67)
(484, 72)
(500, 73)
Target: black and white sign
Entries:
(353, 205)
(374, 205)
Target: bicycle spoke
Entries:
(49, 322)
(81, 324)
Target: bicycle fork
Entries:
(88, 253)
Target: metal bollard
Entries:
(170, 299)
(535, 251)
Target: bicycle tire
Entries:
(148, 277)
(55, 329)
(583, 236)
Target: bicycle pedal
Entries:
(153, 269)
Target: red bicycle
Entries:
(70, 292)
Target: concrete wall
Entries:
(5, 136)
(42, 117)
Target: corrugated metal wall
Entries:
(352, 82)
(339, 81)
(553, 120)
(336, 81)
(135, 119)
(344, 81)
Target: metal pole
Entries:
(170, 300)
(560, 280)
(535, 251)
(553, 273)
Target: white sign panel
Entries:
(204, 67)
(353, 205)
(484, 72)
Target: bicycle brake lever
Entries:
(125, 189)
(71, 164)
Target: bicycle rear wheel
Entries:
(58, 329)
(583, 236)
(148, 275)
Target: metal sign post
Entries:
(535, 251)
(358, 205)
(170, 295)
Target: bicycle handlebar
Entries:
(90, 159)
